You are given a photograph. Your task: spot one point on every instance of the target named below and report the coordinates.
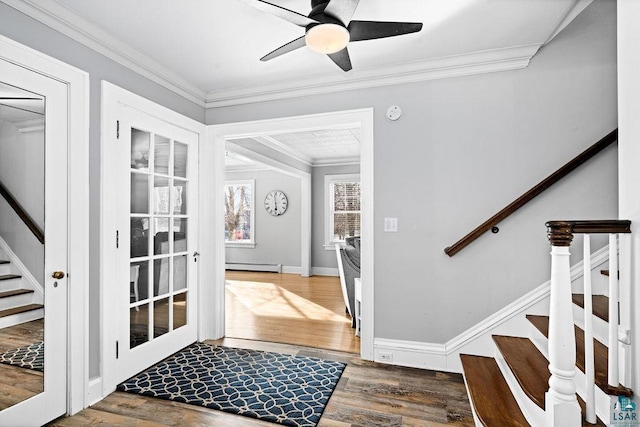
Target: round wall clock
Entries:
(275, 203)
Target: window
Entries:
(342, 199)
(239, 216)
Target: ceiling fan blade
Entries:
(368, 30)
(343, 10)
(291, 46)
(279, 11)
(341, 59)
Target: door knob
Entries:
(58, 275)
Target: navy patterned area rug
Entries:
(283, 389)
(30, 357)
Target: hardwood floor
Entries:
(368, 394)
(266, 309)
(18, 384)
(290, 309)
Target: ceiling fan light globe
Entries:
(327, 38)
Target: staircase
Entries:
(19, 301)
(510, 388)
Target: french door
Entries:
(37, 106)
(156, 278)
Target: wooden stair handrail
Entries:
(533, 192)
(600, 226)
(22, 214)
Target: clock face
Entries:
(275, 203)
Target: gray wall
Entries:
(463, 149)
(320, 257)
(278, 238)
(29, 32)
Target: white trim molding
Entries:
(325, 271)
(510, 320)
(488, 61)
(67, 22)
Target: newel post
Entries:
(561, 405)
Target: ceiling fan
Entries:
(329, 28)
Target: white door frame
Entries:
(112, 98)
(77, 82)
(212, 185)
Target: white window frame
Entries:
(252, 242)
(329, 180)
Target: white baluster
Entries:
(561, 404)
(590, 390)
(613, 378)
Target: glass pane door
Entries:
(157, 208)
(159, 224)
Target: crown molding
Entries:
(58, 17)
(342, 161)
(276, 145)
(488, 61)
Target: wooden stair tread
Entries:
(529, 366)
(492, 399)
(600, 305)
(22, 309)
(14, 292)
(600, 352)
(531, 369)
(9, 276)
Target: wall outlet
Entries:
(386, 357)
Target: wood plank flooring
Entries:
(18, 384)
(368, 394)
(265, 310)
(288, 308)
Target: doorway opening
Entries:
(363, 119)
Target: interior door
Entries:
(39, 397)
(157, 237)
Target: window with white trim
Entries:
(342, 201)
(239, 214)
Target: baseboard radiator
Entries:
(251, 266)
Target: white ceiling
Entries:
(209, 50)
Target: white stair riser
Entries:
(5, 269)
(16, 301)
(532, 412)
(17, 319)
(6, 285)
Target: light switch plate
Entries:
(391, 225)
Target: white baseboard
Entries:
(291, 270)
(94, 391)
(250, 266)
(509, 320)
(410, 353)
(325, 271)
